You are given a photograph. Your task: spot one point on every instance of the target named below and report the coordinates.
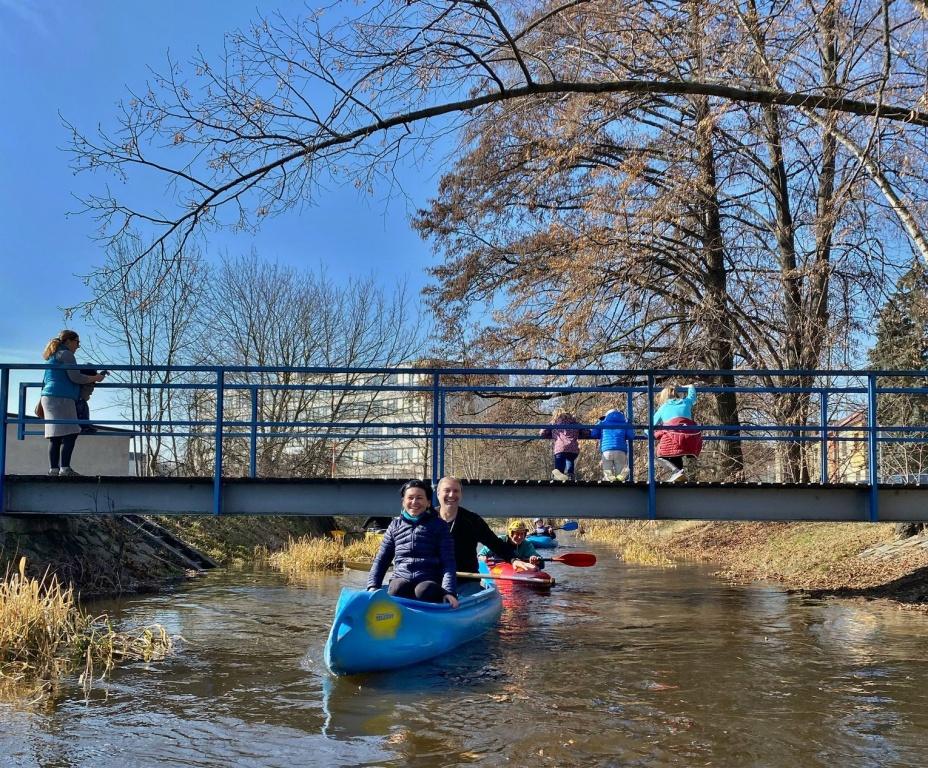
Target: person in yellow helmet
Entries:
(524, 550)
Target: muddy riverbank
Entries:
(112, 555)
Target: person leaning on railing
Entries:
(565, 435)
(60, 390)
(680, 437)
(614, 435)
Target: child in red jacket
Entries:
(680, 437)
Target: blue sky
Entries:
(77, 59)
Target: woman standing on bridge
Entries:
(60, 390)
(419, 544)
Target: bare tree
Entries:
(144, 320)
(250, 313)
(548, 208)
(262, 314)
(902, 344)
(709, 108)
(296, 102)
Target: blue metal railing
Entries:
(426, 414)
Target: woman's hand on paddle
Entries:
(452, 601)
(535, 560)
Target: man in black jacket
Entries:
(469, 529)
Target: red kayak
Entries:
(536, 579)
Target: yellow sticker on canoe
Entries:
(383, 619)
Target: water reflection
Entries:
(617, 665)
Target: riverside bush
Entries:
(44, 634)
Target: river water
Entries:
(618, 666)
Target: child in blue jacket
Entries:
(614, 434)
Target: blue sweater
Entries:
(676, 407)
(613, 432)
(59, 382)
(420, 549)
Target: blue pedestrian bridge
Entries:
(830, 445)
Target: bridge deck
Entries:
(39, 495)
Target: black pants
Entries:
(83, 413)
(676, 461)
(60, 450)
(427, 591)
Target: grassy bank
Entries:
(236, 540)
(844, 558)
(44, 634)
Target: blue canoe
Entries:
(373, 631)
(542, 542)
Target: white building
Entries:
(359, 424)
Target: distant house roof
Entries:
(856, 418)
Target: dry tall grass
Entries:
(311, 554)
(44, 634)
(635, 542)
(363, 549)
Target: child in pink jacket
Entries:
(566, 434)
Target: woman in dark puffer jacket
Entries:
(419, 544)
